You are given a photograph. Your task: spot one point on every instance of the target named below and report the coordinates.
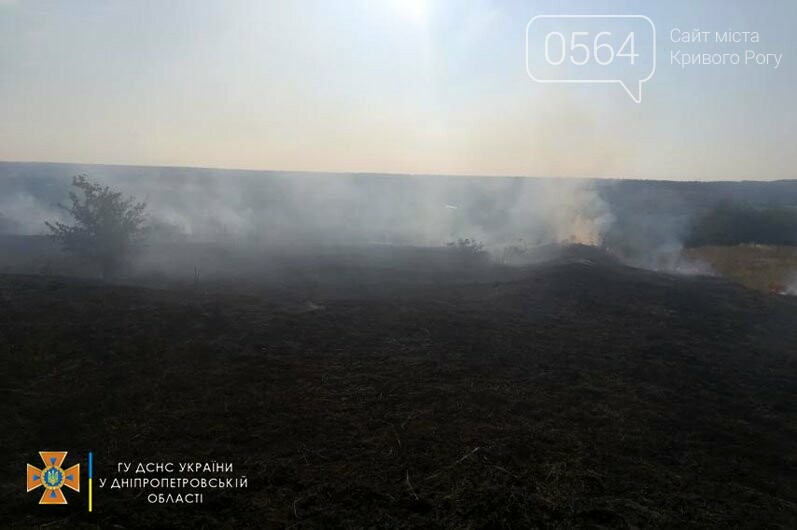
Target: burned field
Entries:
(572, 393)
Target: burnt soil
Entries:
(572, 394)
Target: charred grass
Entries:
(583, 395)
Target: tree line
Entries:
(730, 223)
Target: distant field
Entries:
(762, 267)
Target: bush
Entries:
(468, 251)
(106, 224)
(466, 246)
(514, 253)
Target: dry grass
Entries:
(762, 267)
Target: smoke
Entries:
(257, 211)
(24, 213)
(643, 224)
(8, 226)
(264, 208)
(673, 258)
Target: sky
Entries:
(397, 86)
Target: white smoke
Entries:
(24, 213)
(339, 209)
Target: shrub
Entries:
(107, 225)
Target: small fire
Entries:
(789, 290)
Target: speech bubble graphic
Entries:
(592, 49)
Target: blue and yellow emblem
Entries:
(53, 477)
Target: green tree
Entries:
(107, 225)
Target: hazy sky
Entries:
(407, 86)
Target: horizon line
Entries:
(390, 173)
